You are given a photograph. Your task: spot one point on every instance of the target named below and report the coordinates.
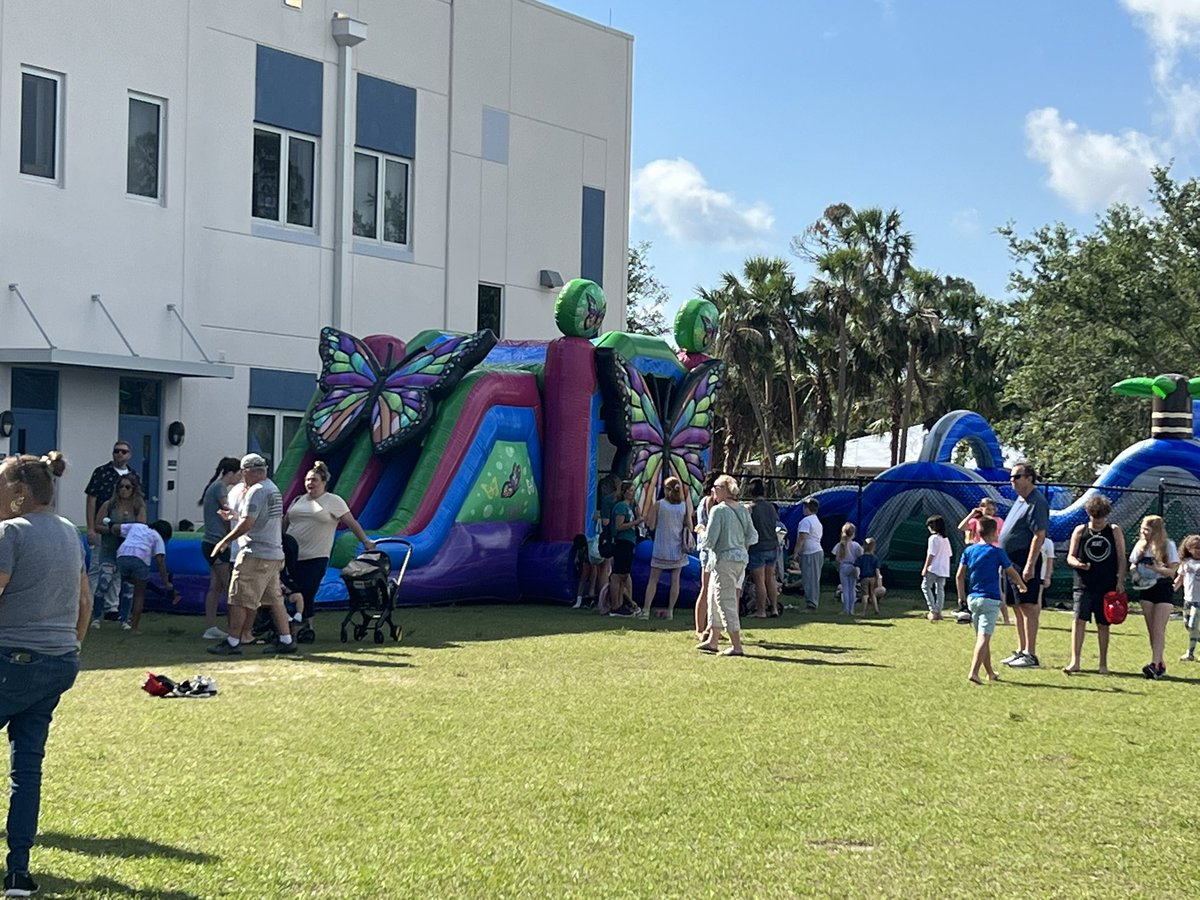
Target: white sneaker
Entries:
(1009, 660)
(578, 603)
(214, 634)
(95, 624)
(1025, 662)
(125, 626)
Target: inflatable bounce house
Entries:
(483, 458)
(893, 506)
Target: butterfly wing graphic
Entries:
(403, 406)
(349, 375)
(691, 419)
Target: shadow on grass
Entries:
(1069, 687)
(811, 648)
(364, 660)
(124, 847)
(106, 887)
(803, 661)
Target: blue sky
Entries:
(749, 119)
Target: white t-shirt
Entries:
(1143, 575)
(809, 533)
(141, 541)
(939, 548)
(1191, 569)
(313, 523)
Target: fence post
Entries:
(1162, 495)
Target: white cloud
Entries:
(1173, 27)
(1088, 169)
(672, 194)
(1093, 169)
(966, 222)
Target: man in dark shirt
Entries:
(100, 489)
(1022, 538)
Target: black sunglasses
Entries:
(124, 450)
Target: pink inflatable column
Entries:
(569, 469)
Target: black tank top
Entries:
(1098, 548)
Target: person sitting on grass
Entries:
(1097, 554)
(143, 545)
(983, 562)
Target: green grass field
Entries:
(533, 751)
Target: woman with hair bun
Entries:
(44, 609)
(313, 519)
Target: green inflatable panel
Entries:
(505, 490)
(696, 326)
(580, 308)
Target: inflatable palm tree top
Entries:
(1172, 402)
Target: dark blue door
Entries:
(138, 423)
(35, 411)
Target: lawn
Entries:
(534, 751)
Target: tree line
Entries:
(872, 343)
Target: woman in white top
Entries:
(313, 519)
(937, 567)
(671, 522)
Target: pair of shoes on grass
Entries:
(1020, 660)
(224, 648)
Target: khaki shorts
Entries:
(255, 582)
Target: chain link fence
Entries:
(899, 526)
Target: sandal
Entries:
(706, 648)
(732, 652)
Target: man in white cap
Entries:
(255, 580)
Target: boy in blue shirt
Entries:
(984, 562)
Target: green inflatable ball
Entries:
(696, 326)
(580, 308)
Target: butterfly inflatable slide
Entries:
(484, 457)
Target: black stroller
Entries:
(372, 591)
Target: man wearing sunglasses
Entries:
(1021, 538)
(99, 489)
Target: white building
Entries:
(187, 195)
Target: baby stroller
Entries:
(372, 591)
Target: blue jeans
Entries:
(30, 687)
(108, 580)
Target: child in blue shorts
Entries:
(983, 563)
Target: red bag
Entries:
(1116, 607)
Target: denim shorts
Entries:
(132, 568)
(984, 613)
(761, 558)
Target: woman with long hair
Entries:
(313, 520)
(1154, 561)
(126, 505)
(215, 500)
(44, 609)
(671, 522)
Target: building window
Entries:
(143, 176)
(41, 94)
(287, 199)
(294, 4)
(270, 432)
(139, 397)
(491, 297)
(386, 221)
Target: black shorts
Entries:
(1032, 597)
(623, 557)
(1161, 591)
(206, 547)
(1089, 606)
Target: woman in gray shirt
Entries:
(44, 609)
